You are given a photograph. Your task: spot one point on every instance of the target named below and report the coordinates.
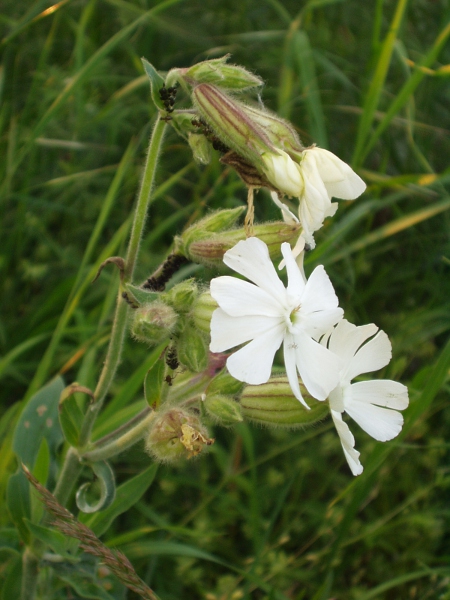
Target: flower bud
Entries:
(192, 349)
(201, 148)
(215, 222)
(224, 383)
(182, 296)
(223, 409)
(153, 323)
(202, 312)
(217, 72)
(273, 404)
(176, 434)
(283, 173)
(231, 124)
(210, 251)
(280, 132)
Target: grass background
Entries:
(267, 514)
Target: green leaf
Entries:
(71, 419)
(9, 540)
(139, 295)
(153, 383)
(18, 501)
(127, 495)
(156, 83)
(13, 577)
(57, 541)
(40, 471)
(39, 420)
(100, 493)
(82, 581)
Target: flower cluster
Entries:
(323, 353)
(321, 347)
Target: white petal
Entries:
(228, 332)
(382, 392)
(296, 283)
(318, 367)
(288, 216)
(348, 443)
(283, 172)
(291, 367)
(298, 252)
(251, 258)
(382, 424)
(253, 362)
(239, 298)
(374, 355)
(339, 178)
(315, 201)
(346, 338)
(319, 293)
(319, 304)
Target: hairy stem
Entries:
(121, 443)
(120, 318)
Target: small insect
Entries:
(172, 358)
(169, 379)
(206, 130)
(168, 96)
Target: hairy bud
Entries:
(274, 405)
(223, 409)
(231, 123)
(176, 434)
(153, 323)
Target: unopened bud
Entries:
(215, 222)
(201, 148)
(217, 72)
(182, 296)
(280, 132)
(154, 322)
(274, 405)
(231, 123)
(176, 434)
(224, 384)
(210, 251)
(192, 349)
(202, 312)
(223, 409)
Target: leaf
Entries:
(100, 493)
(156, 83)
(40, 471)
(13, 577)
(71, 419)
(139, 295)
(153, 383)
(57, 541)
(9, 540)
(82, 581)
(127, 495)
(39, 419)
(18, 501)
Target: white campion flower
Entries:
(266, 314)
(314, 180)
(374, 405)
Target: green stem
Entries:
(120, 319)
(122, 443)
(68, 476)
(30, 567)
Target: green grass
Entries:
(266, 514)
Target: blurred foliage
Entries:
(271, 515)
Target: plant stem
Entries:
(122, 443)
(120, 318)
(30, 566)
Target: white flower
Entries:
(374, 405)
(267, 314)
(314, 180)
